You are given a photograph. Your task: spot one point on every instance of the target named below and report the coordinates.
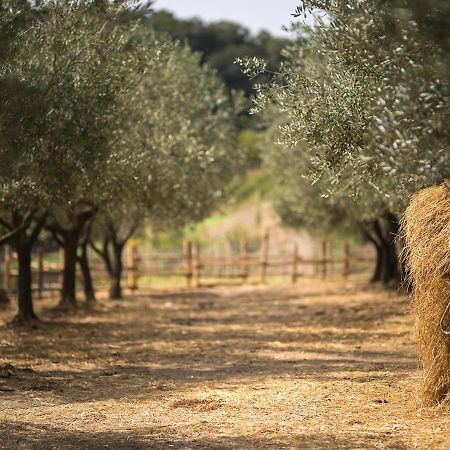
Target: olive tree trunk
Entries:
(115, 290)
(24, 241)
(382, 233)
(24, 283)
(68, 238)
(88, 285)
(68, 290)
(112, 254)
(83, 261)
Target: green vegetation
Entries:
(104, 134)
(248, 190)
(102, 130)
(362, 101)
(220, 43)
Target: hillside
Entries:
(249, 214)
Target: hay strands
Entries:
(442, 325)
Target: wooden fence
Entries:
(46, 276)
(197, 267)
(257, 266)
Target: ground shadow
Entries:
(188, 340)
(33, 436)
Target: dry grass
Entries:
(198, 404)
(318, 366)
(427, 235)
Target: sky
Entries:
(254, 14)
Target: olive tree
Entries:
(182, 142)
(73, 65)
(100, 92)
(25, 188)
(367, 88)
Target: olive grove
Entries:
(101, 129)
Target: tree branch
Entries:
(11, 235)
(104, 254)
(95, 248)
(57, 238)
(86, 234)
(372, 234)
(130, 233)
(38, 227)
(54, 228)
(14, 231)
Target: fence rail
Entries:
(197, 268)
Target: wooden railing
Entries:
(259, 266)
(196, 267)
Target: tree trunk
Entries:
(88, 286)
(103, 253)
(68, 291)
(391, 270)
(115, 291)
(376, 277)
(370, 231)
(24, 282)
(24, 241)
(382, 233)
(68, 238)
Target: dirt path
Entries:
(311, 367)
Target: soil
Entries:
(315, 366)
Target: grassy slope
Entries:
(231, 220)
(248, 214)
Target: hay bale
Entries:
(426, 230)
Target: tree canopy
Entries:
(183, 146)
(362, 101)
(367, 88)
(99, 112)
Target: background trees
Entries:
(26, 186)
(306, 205)
(100, 120)
(220, 44)
(79, 61)
(182, 138)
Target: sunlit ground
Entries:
(318, 365)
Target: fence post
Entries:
(131, 267)
(196, 267)
(294, 275)
(324, 259)
(187, 262)
(346, 271)
(244, 259)
(229, 264)
(40, 274)
(264, 256)
(7, 280)
(61, 265)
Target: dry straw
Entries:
(426, 230)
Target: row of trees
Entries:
(362, 101)
(103, 129)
